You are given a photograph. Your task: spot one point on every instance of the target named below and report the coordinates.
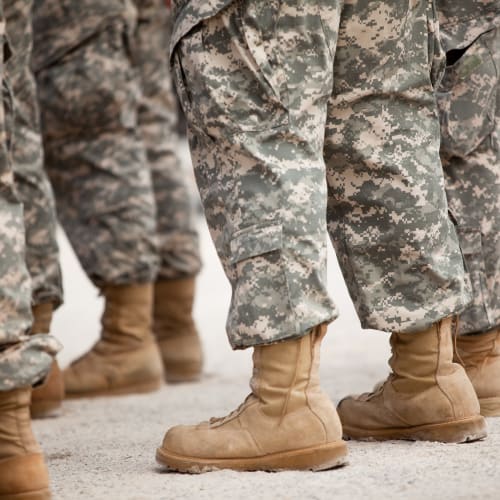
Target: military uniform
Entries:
(35, 192)
(93, 154)
(107, 132)
(178, 246)
(469, 101)
(315, 116)
(24, 360)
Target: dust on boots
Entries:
(126, 359)
(426, 397)
(23, 471)
(47, 397)
(175, 331)
(286, 423)
(480, 356)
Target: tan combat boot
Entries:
(480, 356)
(427, 397)
(287, 422)
(175, 330)
(126, 359)
(23, 474)
(46, 398)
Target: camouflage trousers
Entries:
(469, 101)
(104, 139)
(24, 360)
(306, 117)
(35, 192)
(175, 224)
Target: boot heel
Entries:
(490, 407)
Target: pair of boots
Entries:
(288, 422)
(137, 346)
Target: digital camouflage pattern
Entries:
(33, 186)
(108, 118)
(387, 210)
(178, 246)
(93, 153)
(24, 360)
(60, 26)
(462, 21)
(469, 101)
(257, 84)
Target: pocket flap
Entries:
(255, 240)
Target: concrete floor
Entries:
(104, 448)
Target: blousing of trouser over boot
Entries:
(24, 359)
(469, 104)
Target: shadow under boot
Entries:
(480, 356)
(286, 423)
(427, 397)
(126, 359)
(23, 473)
(175, 331)
(47, 397)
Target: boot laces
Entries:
(232, 414)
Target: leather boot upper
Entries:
(480, 356)
(286, 410)
(425, 386)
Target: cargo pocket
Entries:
(476, 317)
(222, 71)
(260, 304)
(467, 99)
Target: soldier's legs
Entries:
(175, 225)
(387, 211)
(254, 81)
(388, 220)
(35, 192)
(34, 189)
(97, 164)
(24, 360)
(469, 99)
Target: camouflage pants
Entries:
(96, 160)
(24, 360)
(469, 99)
(177, 236)
(35, 192)
(295, 131)
(108, 133)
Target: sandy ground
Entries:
(104, 448)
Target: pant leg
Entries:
(24, 360)
(469, 99)
(387, 211)
(35, 192)
(96, 159)
(254, 82)
(177, 236)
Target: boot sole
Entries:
(328, 456)
(140, 388)
(28, 495)
(45, 409)
(458, 431)
(490, 407)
